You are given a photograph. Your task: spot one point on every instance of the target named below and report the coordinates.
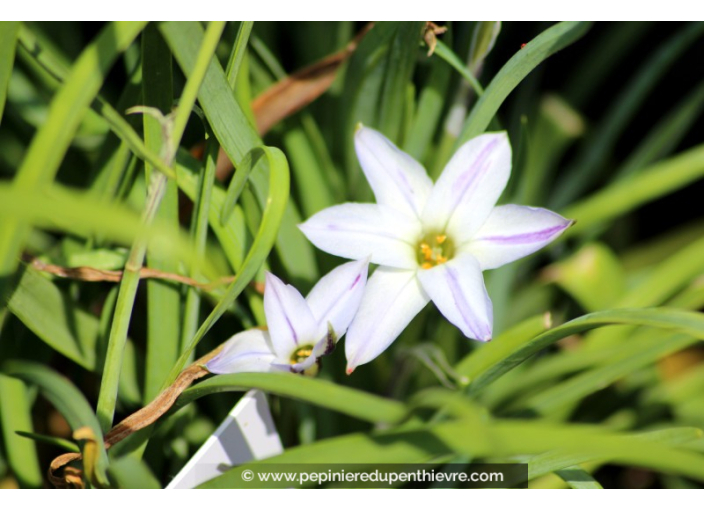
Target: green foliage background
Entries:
(605, 124)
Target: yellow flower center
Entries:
(301, 354)
(435, 249)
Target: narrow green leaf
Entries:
(631, 357)
(67, 109)
(499, 361)
(8, 41)
(67, 399)
(625, 195)
(173, 132)
(595, 151)
(237, 137)
(199, 232)
(484, 356)
(549, 462)
(445, 53)
(15, 415)
(484, 38)
(512, 73)
(131, 473)
(242, 172)
(349, 401)
(57, 442)
(239, 49)
(667, 133)
(163, 298)
(261, 246)
(84, 215)
(375, 87)
(429, 111)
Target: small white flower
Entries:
(432, 242)
(299, 330)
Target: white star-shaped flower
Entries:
(431, 241)
(300, 330)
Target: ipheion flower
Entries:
(300, 330)
(431, 241)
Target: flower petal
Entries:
(391, 300)
(457, 289)
(291, 323)
(469, 187)
(249, 351)
(513, 231)
(336, 297)
(356, 231)
(397, 179)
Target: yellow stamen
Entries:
(301, 354)
(434, 249)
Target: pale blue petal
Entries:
(336, 297)
(398, 180)
(391, 300)
(469, 187)
(457, 289)
(249, 351)
(357, 231)
(513, 231)
(290, 321)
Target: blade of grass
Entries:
(587, 165)
(239, 49)
(64, 444)
(8, 41)
(70, 402)
(550, 462)
(52, 63)
(163, 298)
(15, 415)
(449, 56)
(666, 134)
(429, 111)
(512, 73)
(237, 136)
(261, 246)
(349, 401)
(499, 359)
(630, 358)
(199, 234)
(128, 286)
(625, 195)
(46, 311)
(481, 359)
(67, 109)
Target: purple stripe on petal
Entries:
(472, 175)
(399, 175)
(356, 281)
(288, 321)
(526, 237)
(463, 306)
